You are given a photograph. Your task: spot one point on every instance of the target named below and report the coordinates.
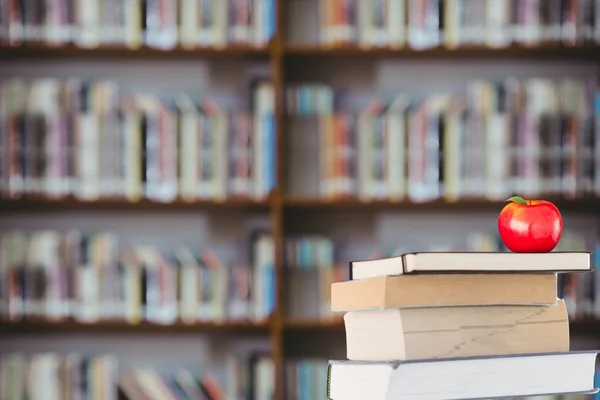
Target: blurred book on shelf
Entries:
(261, 377)
(89, 278)
(423, 24)
(160, 24)
(51, 376)
(311, 269)
(90, 140)
(306, 378)
(536, 137)
(309, 99)
(230, 383)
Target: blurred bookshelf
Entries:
(276, 155)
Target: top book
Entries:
(455, 262)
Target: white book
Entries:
(188, 29)
(496, 159)
(471, 378)
(259, 22)
(497, 23)
(219, 27)
(133, 23)
(396, 23)
(88, 162)
(188, 151)
(454, 133)
(131, 125)
(89, 23)
(429, 262)
(219, 184)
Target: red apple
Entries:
(530, 226)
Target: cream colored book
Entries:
(454, 332)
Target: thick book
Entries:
(469, 378)
(429, 290)
(437, 262)
(452, 332)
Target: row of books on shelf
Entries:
(537, 136)
(90, 277)
(53, 376)
(90, 140)
(74, 138)
(156, 23)
(421, 24)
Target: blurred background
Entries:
(182, 180)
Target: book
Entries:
(470, 378)
(444, 290)
(445, 332)
(437, 262)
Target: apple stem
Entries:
(517, 199)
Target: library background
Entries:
(182, 180)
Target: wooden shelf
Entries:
(307, 325)
(586, 205)
(549, 51)
(68, 204)
(321, 204)
(546, 51)
(29, 51)
(120, 327)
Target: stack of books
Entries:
(458, 325)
